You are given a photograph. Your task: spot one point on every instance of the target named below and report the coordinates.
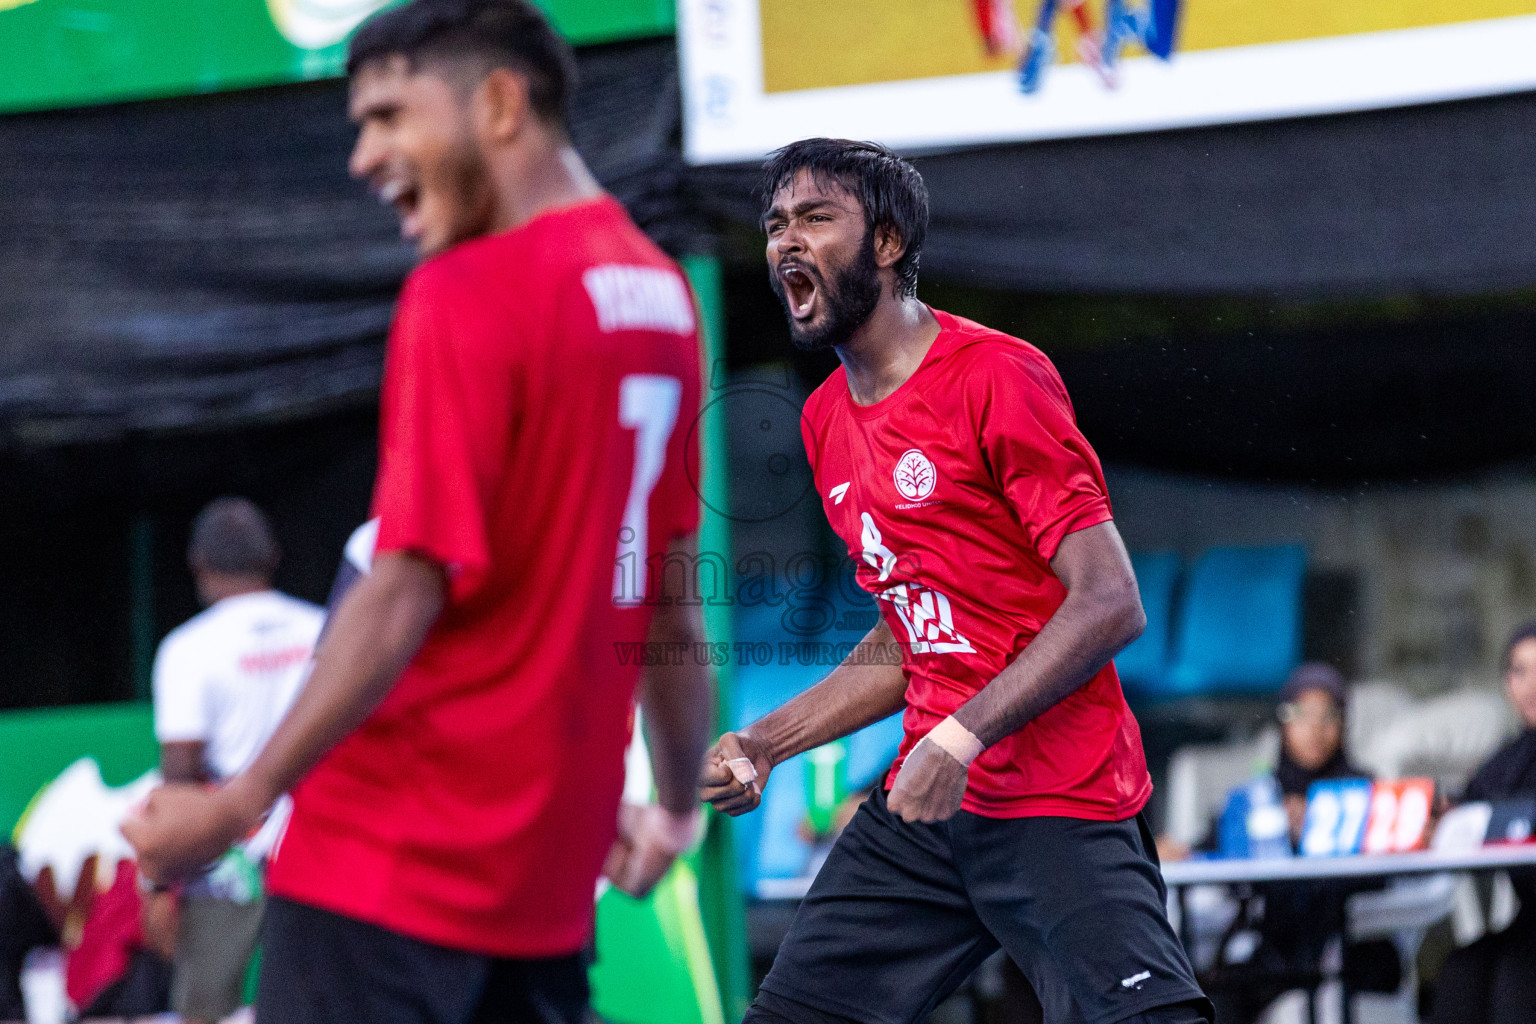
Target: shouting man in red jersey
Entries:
(456, 757)
(949, 462)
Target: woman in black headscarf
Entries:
(1298, 919)
(1311, 715)
(1493, 981)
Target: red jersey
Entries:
(953, 495)
(539, 390)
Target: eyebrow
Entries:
(375, 108)
(803, 207)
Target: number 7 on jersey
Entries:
(648, 404)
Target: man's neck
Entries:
(214, 587)
(887, 348)
(539, 177)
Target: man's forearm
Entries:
(1079, 640)
(183, 761)
(852, 696)
(372, 635)
(679, 713)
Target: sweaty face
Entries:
(821, 261)
(417, 151)
(1312, 729)
(1520, 681)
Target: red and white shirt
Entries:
(952, 495)
(540, 391)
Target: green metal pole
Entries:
(720, 895)
(141, 602)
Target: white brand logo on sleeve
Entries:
(639, 299)
(915, 475)
(1135, 980)
(838, 493)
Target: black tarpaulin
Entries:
(205, 262)
(1437, 199)
(1234, 390)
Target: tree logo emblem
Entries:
(915, 475)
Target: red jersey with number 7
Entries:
(953, 495)
(541, 388)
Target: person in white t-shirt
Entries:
(223, 681)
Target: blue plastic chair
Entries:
(1239, 631)
(1143, 666)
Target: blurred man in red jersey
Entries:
(456, 756)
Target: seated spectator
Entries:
(24, 925)
(71, 883)
(1493, 981)
(113, 969)
(1294, 921)
(1311, 715)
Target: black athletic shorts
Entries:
(901, 914)
(323, 968)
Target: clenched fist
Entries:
(734, 773)
(929, 786)
(181, 828)
(650, 839)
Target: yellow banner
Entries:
(814, 44)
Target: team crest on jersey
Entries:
(915, 475)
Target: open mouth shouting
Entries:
(800, 290)
(406, 199)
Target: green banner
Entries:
(65, 53)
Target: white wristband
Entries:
(956, 740)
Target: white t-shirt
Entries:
(227, 676)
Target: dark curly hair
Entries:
(889, 188)
(502, 33)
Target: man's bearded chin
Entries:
(849, 300)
